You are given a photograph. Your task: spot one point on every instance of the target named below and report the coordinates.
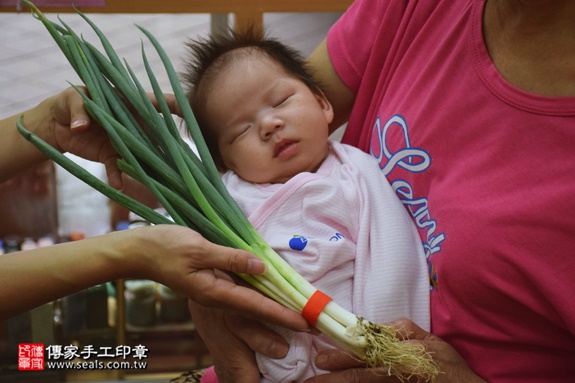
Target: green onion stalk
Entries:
(189, 187)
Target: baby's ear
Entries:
(325, 105)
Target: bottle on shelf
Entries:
(11, 244)
(46, 240)
(136, 221)
(28, 244)
(173, 306)
(140, 302)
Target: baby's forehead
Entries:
(247, 60)
(242, 58)
(247, 54)
(229, 61)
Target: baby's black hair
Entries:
(208, 57)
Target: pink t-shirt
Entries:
(486, 170)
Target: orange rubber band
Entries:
(315, 306)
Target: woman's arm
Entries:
(16, 154)
(338, 94)
(62, 122)
(172, 255)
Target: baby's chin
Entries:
(281, 176)
(269, 179)
(282, 179)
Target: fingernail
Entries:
(256, 266)
(278, 350)
(77, 123)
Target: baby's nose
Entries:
(270, 124)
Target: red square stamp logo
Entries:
(31, 356)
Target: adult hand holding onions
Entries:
(169, 254)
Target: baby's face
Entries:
(269, 125)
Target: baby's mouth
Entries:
(282, 146)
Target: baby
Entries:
(325, 207)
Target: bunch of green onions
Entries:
(190, 189)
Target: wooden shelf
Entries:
(247, 12)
